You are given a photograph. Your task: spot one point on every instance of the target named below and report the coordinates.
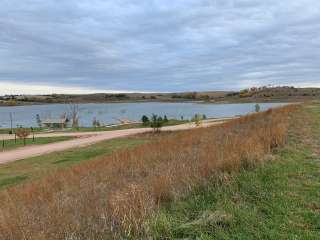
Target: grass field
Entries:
(29, 169)
(279, 200)
(33, 168)
(150, 192)
(7, 130)
(114, 196)
(171, 122)
(11, 144)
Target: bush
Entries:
(257, 107)
(23, 133)
(145, 120)
(244, 93)
(95, 123)
(39, 122)
(12, 102)
(156, 123)
(197, 119)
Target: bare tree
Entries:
(75, 115)
(23, 133)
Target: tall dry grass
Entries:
(114, 196)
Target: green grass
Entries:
(171, 122)
(11, 144)
(34, 168)
(7, 130)
(4, 131)
(279, 200)
(92, 129)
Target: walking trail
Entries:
(83, 139)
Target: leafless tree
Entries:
(74, 115)
(23, 133)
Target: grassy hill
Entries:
(277, 200)
(262, 94)
(228, 181)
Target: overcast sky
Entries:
(157, 46)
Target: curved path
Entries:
(85, 139)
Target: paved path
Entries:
(85, 139)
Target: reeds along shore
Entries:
(114, 196)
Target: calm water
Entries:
(110, 112)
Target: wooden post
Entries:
(32, 134)
(11, 129)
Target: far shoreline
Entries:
(23, 104)
(263, 94)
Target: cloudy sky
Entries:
(157, 45)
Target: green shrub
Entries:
(197, 119)
(257, 107)
(145, 120)
(156, 123)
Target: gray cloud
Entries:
(160, 45)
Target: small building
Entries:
(54, 123)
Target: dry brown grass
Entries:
(114, 196)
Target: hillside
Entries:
(114, 196)
(262, 94)
(256, 177)
(277, 200)
(274, 94)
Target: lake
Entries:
(108, 113)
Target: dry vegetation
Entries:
(254, 94)
(112, 197)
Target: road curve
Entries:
(84, 139)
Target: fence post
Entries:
(32, 134)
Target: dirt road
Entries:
(85, 139)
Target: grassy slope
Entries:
(269, 94)
(128, 186)
(17, 172)
(11, 144)
(279, 200)
(33, 168)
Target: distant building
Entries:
(54, 123)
